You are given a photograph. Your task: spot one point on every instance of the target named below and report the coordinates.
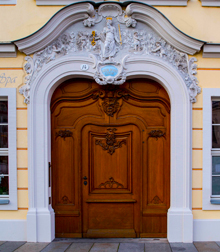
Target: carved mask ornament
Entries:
(109, 99)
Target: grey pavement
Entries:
(109, 245)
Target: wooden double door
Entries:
(110, 159)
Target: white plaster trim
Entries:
(8, 2)
(40, 217)
(211, 3)
(151, 2)
(80, 11)
(14, 230)
(54, 27)
(162, 26)
(8, 50)
(208, 93)
(10, 93)
(206, 230)
(211, 50)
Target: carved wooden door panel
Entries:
(111, 200)
(110, 159)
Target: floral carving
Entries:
(156, 133)
(64, 134)
(156, 200)
(110, 97)
(111, 183)
(111, 143)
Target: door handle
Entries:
(85, 178)
(85, 183)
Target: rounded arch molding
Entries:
(40, 217)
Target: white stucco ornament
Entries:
(110, 36)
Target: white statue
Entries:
(110, 39)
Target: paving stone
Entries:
(188, 247)
(56, 247)
(218, 243)
(131, 247)
(79, 247)
(207, 247)
(10, 246)
(32, 246)
(104, 247)
(155, 247)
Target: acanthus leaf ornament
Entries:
(111, 143)
(156, 133)
(64, 134)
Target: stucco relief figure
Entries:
(137, 42)
(159, 49)
(110, 38)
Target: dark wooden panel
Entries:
(111, 216)
(155, 171)
(67, 225)
(112, 172)
(65, 172)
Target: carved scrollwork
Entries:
(111, 183)
(110, 97)
(64, 134)
(111, 143)
(156, 133)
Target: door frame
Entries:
(40, 216)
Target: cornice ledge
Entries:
(211, 3)
(54, 27)
(8, 50)
(166, 2)
(8, 2)
(162, 26)
(151, 2)
(211, 51)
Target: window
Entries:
(215, 150)
(211, 149)
(8, 162)
(4, 185)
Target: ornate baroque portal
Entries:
(109, 45)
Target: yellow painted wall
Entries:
(195, 20)
(12, 68)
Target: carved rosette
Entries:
(111, 183)
(111, 143)
(64, 134)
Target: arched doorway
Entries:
(111, 159)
